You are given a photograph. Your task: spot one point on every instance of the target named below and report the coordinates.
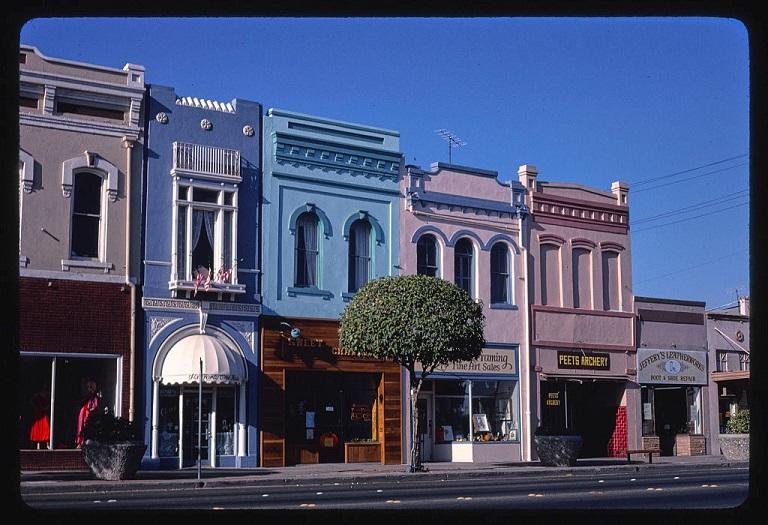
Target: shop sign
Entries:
(671, 367)
(491, 361)
(583, 361)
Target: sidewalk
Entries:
(38, 482)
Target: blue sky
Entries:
(586, 100)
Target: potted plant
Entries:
(113, 448)
(557, 446)
(734, 444)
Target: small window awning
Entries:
(221, 363)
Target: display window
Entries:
(477, 411)
(52, 417)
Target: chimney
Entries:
(620, 190)
(527, 175)
(744, 306)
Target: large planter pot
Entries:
(114, 461)
(558, 451)
(735, 447)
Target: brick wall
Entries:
(687, 445)
(651, 442)
(68, 317)
(617, 445)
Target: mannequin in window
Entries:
(91, 402)
(40, 431)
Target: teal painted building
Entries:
(330, 212)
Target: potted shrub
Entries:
(734, 444)
(113, 448)
(557, 446)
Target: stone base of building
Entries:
(52, 460)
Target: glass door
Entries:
(190, 434)
(424, 427)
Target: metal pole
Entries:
(199, 417)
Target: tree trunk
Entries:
(416, 465)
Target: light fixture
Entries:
(295, 332)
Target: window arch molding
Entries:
(500, 237)
(456, 237)
(430, 229)
(363, 215)
(608, 246)
(583, 243)
(472, 266)
(91, 162)
(502, 275)
(311, 208)
(439, 251)
(548, 238)
(27, 171)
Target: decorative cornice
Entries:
(212, 307)
(579, 211)
(329, 158)
(204, 103)
(79, 125)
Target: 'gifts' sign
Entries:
(583, 361)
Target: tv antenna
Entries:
(452, 139)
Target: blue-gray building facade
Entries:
(201, 299)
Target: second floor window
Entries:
(462, 265)
(359, 254)
(306, 250)
(426, 256)
(611, 292)
(205, 232)
(500, 292)
(86, 214)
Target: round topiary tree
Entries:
(413, 319)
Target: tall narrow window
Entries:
(610, 281)
(359, 254)
(202, 239)
(500, 292)
(86, 215)
(426, 255)
(462, 265)
(582, 281)
(306, 250)
(550, 274)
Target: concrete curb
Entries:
(98, 486)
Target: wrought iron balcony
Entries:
(206, 161)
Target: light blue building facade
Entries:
(331, 193)
(201, 300)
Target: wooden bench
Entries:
(649, 451)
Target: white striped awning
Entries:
(221, 363)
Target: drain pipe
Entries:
(128, 146)
(525, 351)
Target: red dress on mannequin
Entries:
(91, 404)
(40, 431)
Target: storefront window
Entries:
(225, 421)
(693, 395)
(493, 415)
(169, 422)
(83, 385)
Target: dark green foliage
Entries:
(413, 318)
(738, 423)
(106, 428)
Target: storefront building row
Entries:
(581, 323)
(469, 411)
(331, 224)
(673, 374)
(80, 163)
(201, 299)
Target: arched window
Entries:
(500, 292)
(86, 214)
(462, 265)
(426, 256)
(306, 250)
(611, 292)
(581, 266)
(549, 262)
(359, 254)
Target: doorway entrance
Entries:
(670, 406)
(190, 425)
(424, 427)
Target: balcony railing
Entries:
(208, 160)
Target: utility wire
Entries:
(693, 267)
(692, 207)
(689, 178)
(690, 218)
(654, 179)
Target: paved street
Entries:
(710, 486)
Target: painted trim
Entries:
(466, 233)
(89, 162)
(601, 313)
(66, 264)
(28, 171)
(501, 237)
(83, 126)
(422, 230)
(363, 215)
(548, 238)
(275, 112)
(611, 246)
(66, 276)
(310, 207)
(503, 306)
(293, 291)
(574, 222)
(314, 180)
(583, 243)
